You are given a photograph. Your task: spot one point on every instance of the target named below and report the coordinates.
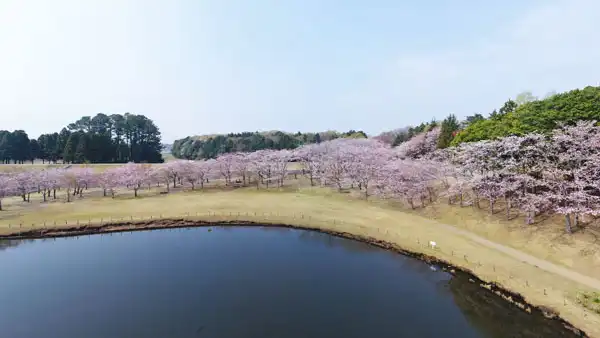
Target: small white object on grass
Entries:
(432, 244)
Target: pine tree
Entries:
(81, 151)
(449, 126)
(70, 147)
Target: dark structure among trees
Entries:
(100, 139)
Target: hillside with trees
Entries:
(211, 146)
(528, 114)
(520, 116)
(100, 139)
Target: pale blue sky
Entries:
(214, 66)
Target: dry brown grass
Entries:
(327, 209)
(546, 239)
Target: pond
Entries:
(241, 282)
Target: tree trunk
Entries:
(68, 195)
(23, 197)
(104, 192)
(135, 192)
(54, 194)
(568, 228)
(430, 190)
(530, 217)
(0, 204)
(44, 195)
(508, 208)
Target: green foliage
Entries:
(211, 146)
(14, 146)
(535, 116)
(101, 139)
(449, 126)
(400, 138)
(409, 133)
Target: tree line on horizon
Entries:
(517, 117)
(103, 138)
(211, 146)
(135, 138)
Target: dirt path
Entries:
(529, 259)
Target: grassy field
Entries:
(39, 165)
(325, 209)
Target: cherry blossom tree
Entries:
(108, 181)
(262, 162)
(312, 159)
(226, 163)
(134, 176)
(242, 166)
(6, 187)
(280, 160)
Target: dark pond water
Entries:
(240, 282)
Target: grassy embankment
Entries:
(325, 209)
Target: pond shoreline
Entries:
(93, 229)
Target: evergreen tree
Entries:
(34, 150)
(400, 138)
(449, 126)
(81, 152)
(68, 155)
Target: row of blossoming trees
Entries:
(528, 175)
